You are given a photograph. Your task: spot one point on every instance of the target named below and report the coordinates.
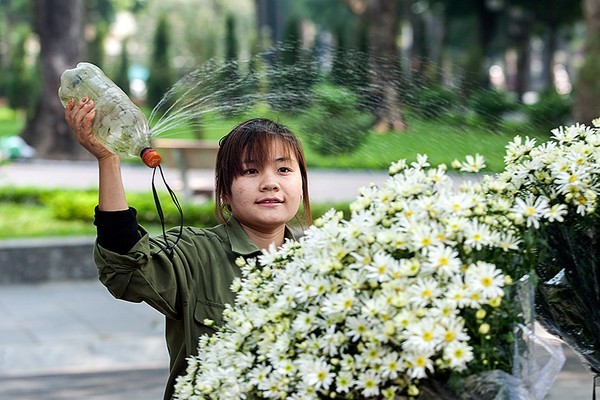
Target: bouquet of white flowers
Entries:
(556, 186)
(410, 297)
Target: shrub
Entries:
(491, 105)
(25, 195)
(78, 205)
(550, 111)
(70, 205)
(161, 75)
(435, 102)
(334, 125)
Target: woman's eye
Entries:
(285, 169)
(250, 171)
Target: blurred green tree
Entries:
(122, 74)
(293, 73)
(161, 74)
(19, 78)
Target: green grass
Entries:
(440, 140)
(441, 143)
(29, 220)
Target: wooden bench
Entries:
(186, 154)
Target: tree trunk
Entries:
(550, 47)
(523, 48)
(382, 25)
(587, 85)
(475, 73)
(59, 26)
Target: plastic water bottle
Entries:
(119, 124)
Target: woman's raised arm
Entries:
(111, 193)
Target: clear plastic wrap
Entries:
(568, 296)
(537, 361)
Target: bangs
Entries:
(254, 141)
(264, 150)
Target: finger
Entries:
(88, 120)
(73, 118)
(69, 110)
(82, 111)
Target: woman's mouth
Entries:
(270, 200)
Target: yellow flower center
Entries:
(572, 178)
(421, 361)
(530, 211)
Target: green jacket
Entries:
(192, 286)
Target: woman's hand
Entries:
(80, 117)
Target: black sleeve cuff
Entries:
(117, 230)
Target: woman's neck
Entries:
(264, 239)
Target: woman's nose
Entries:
(269, 182)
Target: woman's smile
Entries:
(270, 201)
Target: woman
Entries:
(261, 180)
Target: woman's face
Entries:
(266, 198)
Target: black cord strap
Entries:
(168, 247)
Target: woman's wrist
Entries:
(112, 193)
(109, 160)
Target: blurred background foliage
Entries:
(466, 61)
(363, 82)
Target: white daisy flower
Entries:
(486, 279)
(458, 354)
(419, 363)
(368, 383)
(473, 163)
(316, 373)
(532, 209)
(424, 335)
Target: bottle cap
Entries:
(150, 157)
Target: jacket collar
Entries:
(241, 243)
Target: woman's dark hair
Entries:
(252, 139)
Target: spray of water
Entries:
(231, 88)
(337, 103)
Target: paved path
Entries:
(72, 340)
(323, 185)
